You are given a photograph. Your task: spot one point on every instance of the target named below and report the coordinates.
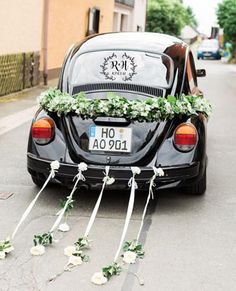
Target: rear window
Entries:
(134, 67)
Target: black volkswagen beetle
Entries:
(134, 66)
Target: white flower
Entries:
(98, 278)
(8, 250)
(129, 257)
(2, 255)
(158, 171)
(75, 260)
(69, 251)
(136, 170)
(55, 165)
(38, 250)
(64, 227)
(108, 180)
(83, 167)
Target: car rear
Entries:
(209, 48)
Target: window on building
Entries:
(93, 21)
(115, 21)
(124, 22)
(139, 28)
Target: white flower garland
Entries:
(150, 109)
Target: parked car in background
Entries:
(209, 48)
(134, 66)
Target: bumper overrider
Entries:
(174, 175)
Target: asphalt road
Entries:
(190, 242)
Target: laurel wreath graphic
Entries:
(107, 74)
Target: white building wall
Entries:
(20, 25)
(122, 19)
(130, 18)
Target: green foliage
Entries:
(84, 258)
(5, 244)
(168, 16)
(135, 247)
(150, 109)
(111, 270)
(190, 17)
(82, 243)
(226, 14)
(70, 204)
(43, 239)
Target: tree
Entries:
(191, 18)
(168, 16)
(226, 14)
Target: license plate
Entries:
(110, 139)
(207, 54)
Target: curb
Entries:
(27, 92)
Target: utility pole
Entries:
(45, 41)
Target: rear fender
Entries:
(168, 155)
(56, 149)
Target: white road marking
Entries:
(12, 121)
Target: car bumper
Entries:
(174, 175)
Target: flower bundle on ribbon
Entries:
(115, 268)
(7, 246)
(150, 109)
(42, 240)
(132, 249)
(77, 250)
(76, 253)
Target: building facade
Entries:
(69, 22)
(129, 15)
(37, 34)
(20, 45)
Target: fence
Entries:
(18, 71)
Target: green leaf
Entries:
(171, 99)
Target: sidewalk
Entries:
(19, 101)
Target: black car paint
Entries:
(153, 149)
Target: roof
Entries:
(146, 41)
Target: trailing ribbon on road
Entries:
(157, 172)
(100, 278)
(106, 181)
(79, 177)
(54, 167)
(41, 240)
(134, 249)
(132, 183)
(75, 253)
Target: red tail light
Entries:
(43, 130)
(185, 137)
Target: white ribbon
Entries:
(157, 172)
(61, 213)
(133, 185)
(29, 208)
(96, 207)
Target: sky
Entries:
(205, 12)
